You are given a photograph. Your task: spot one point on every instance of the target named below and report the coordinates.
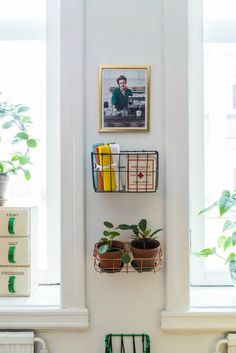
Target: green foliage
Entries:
(226, 241)
(14, 117)
(140, 231)
(106, 239)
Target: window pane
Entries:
(220, 135)
(22, 72)
(219, 9)
(23, 9)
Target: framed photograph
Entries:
(124, 98)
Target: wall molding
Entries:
(199, 321)
(44, 319)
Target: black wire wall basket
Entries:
(127, 171)
(127, 343)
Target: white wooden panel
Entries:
(21, 282)
(16, 342)
(21, 222)
(21, 252)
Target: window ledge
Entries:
(200, 320)
(44, 318)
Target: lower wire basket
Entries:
(113, 265)
(127, 343)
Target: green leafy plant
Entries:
(226, 242)
(15, 116)
(140, 231)
(109, 234)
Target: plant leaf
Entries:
(233, 236)
(228, 225)
(226, 202)
(2, 167)
(125, 258)
(15, 157)
(32, 143)
(142, 225)
(231, 257)
(221, 241)
(108, 224)
(228, 243)
(114, 234)
(155, 232)
(208, 208)
(124, 226)
(106, 233)
(103, 248)
(147, 232)
(205, 252)
(22, 135)
(8, 124)
(27, 174)
(135, 230)
(104, 240)
(22, 108)
(24, 160)
(26, 120)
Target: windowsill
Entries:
(213, 310)
(41, 311)
(222, 297)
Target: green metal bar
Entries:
(146, 337)
(11, 222)
(11, 254)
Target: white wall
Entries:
(125, 32)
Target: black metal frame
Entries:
(121, 169)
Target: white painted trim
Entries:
(72, 155)
(176, 169)
(42, 318)
(199, 321)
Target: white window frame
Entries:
(72, 314)
(218, 32)
(178, 316)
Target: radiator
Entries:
(20, 342)
(229, 342)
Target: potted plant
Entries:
(225, 247)
(111, 253)
(15, 116)
(145, 247)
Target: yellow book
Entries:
(105, 161)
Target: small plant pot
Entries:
(110, 261)
(4, 180)
(145, 257)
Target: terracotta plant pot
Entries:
(140, 254)
(110, 261)
(4, 180)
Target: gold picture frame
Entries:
(124, 98)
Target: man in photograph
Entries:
(119, 99)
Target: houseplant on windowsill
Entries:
(18, 159)
(111, 253)
(225, 248)
(145, 247)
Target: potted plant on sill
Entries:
(225, 248)
(15, 116)
(111, 253)
(145, 247)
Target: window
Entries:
(29, 71)
(71, 314)
(218, 164)
(181, 53)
